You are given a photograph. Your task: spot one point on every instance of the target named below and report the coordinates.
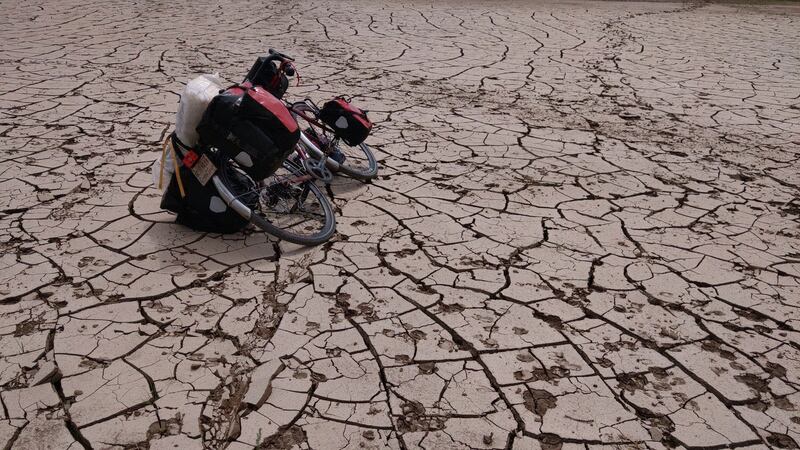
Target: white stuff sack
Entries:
(194, 100)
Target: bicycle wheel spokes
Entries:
(290, 202)
(357, 160)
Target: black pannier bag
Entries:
(348, 122)
(265, 74)
(203, 208)
(251, 127)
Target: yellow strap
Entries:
(163, 160)
(177, 170)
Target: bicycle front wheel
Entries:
(290, 206)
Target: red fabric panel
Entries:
(357, 113)
(274, 106)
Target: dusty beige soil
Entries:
(585, 231)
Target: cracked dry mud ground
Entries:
(585, 232)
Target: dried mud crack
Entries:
(585, 232)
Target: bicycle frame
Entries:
(300, 109)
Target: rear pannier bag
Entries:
(348, 122)
(265, 74)
(251, 127)
(203, 208)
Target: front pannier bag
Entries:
(348, 122)
(251, 127)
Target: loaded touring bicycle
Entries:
(243, 155)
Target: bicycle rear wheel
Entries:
(358, 161)
(291, 207)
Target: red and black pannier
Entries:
(348, 122)
(202, 208)
(199, 206)
(252, 127)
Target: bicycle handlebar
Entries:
(274, 54)
(266, 64)
(286, 61)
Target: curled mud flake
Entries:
(632, 382)
(417, 335)
(169, 427)
(318, 377)
(451, 308)
(539, 374)
(427, 368)
(414, 418)
(550, 441)
(660, 426)
(717, 347)
(758, 405)
(784, 403)
(780, 440)
(285, 438)
(753, 381)
(446, 344)
(388, 333)
(538, 401)
(605, 362)
(775, 369)
(525, 357)
(490, 342)
(523, 375)
(27, 327)
(659, 373)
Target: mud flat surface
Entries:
(585, 232)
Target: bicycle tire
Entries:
(368, 174)
(258, 219)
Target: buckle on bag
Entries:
(190, 158)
